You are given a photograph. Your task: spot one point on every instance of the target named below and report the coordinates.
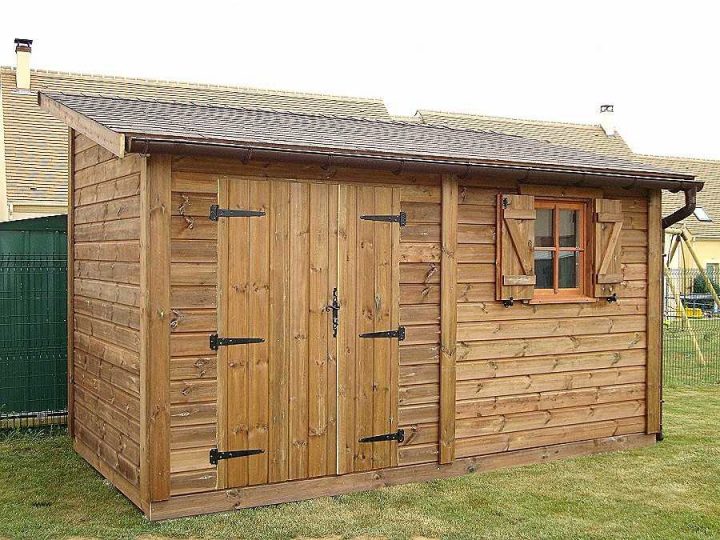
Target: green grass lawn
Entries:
(671, 490)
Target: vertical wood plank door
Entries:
(276, 277)
(369, 300)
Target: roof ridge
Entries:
(508, 118)
(197, 85)
(683, 158)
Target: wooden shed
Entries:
(271, 306)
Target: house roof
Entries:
(245, 128)
(707, 170)
(36, 142)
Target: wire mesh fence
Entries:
(33, 340)
(691, 328)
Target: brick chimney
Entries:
(607, 119)
(23, 48)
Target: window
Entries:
(701, 214)
(560, 249)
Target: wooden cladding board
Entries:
(105, 316)
(420, 277)
(543, 374)
(193, 317)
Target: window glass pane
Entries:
(569, 236)
(567, 268)
(544, 227)
(544, 269)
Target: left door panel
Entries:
(276, 277)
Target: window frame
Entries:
(584, 251)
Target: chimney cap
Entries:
(607, 108)
(23, 44)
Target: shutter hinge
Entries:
(399, 334)
(216, 341)
(400, 218)
(216, 212)
(216, 455)
(398, 436)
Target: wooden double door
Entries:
(311, 268)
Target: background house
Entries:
(34, 155)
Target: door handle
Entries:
(335, 308)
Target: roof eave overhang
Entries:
(104, 136)
(524, 172)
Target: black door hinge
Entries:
(216, 212)
(398, 436)
(216, 455)
(401, 218)
(216, 341)
(335, 308)
(399, 334)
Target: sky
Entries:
(656, 62)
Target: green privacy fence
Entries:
(33, 319)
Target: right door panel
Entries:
(369, 300)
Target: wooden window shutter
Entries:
(516, 258)
(607, 266)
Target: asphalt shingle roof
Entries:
(590, 137)
(324, 133)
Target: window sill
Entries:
(563, 300)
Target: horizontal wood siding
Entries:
(538, 375)
(106, 312)
(193, 317)
(419, 380)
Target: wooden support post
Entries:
(71, 286)
(654, 314)
(448, 317)
(155, 206)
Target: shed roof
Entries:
(135, 120)
(590, 137)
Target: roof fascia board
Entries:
(152, 144)
(107, 138)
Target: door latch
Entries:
(335, 308)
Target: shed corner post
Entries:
(155, 215)
(448, 317)
(654, 314)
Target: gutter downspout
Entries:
(685, 211)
